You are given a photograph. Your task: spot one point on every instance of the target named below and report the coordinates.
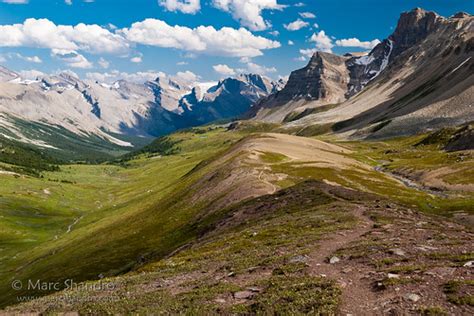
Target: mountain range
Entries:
(347, 190)
(122, 114)
(420, 78)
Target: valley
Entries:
(343, 188)
(136, 213)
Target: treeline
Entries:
(22, 158)
(164, 146)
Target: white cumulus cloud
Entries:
(136, 59)
(323, 42)
(72, 58)
(188, 76)
(33, 59)
(296, 25)
(184, 6)
(31, 74)
(306, 53)
(202, 39)
(114, 75)
(307, 15)
(42, 33)
(15, 1)
(224, 70)
(259, 69)
(249, 12)
(355, 42)
(103, 63)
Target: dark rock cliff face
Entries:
(413, 27)
(364, 69)
(311, 82)
(462, 139)
(323, 78)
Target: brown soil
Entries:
(434, 250)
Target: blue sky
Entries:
(272, 37)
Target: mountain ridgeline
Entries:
(420, 78)
(123, 114)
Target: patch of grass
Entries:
(89, 211)
(296, 296)
(432, 311)
(271, 158)
(250, 127)
(456, 258)
(401, 155)
(459, 292)
(164, 146)
(385, 262)
(314, 130)
(390, 282)
(268, 240)
(294, 116)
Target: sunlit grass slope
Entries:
(88, 221)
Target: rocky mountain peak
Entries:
(413, 27)
(320, 59)
(325, 78)
(461, 15)
(330, 79)
(7, 74)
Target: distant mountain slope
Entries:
(324, 80)
(119, 113)
(7, 75)
(427, 86)
(421, 77)
(231, 97)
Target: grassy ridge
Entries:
(135, 209)
(91, 220)
(270, 241)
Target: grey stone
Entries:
(413, 297)
(243, 295)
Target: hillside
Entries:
(204, 201)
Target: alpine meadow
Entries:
(236, 157)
